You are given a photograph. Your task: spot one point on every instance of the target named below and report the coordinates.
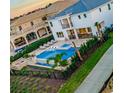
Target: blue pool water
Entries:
(44, 64)
(65, 45)
(52, 53)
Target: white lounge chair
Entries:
(50, 43)
(53, 41)
(46, 45)
(42, 47)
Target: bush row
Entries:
(84, 50)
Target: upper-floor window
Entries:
(49, 30)
(64, 23)
(60, 34)
(71, 23)
(44, 18)
(79, 16)
(112, 2)
(109, 7)
(85, 15)
(100, 9)
(20, 28)
(51, 24)
(32, 23)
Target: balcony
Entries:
(64, 26)
(66, 23)
(26, 30)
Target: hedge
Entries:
(82, 72)
(84, 48)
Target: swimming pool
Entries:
(65, 45)
(52, 53)
(44, 56)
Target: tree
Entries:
(57, 62)
(97, 24)
(77, 51)
(26, 55)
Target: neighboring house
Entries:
(34, 26)
(79, 20)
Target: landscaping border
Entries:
(81, 73)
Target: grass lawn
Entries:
(77, 78)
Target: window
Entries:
(60, 34)
(85, 15)
(49, 30)
(32, 23)
(51, 24)
(20, 28)
(109, 7)
(64, 23)
(71, 21)
(111, 2)
(89, 29)
(79, 16)
(100, 9)
(44, 18)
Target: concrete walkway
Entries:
(97, 77)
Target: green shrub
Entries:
(64, 63)
(84, 48)
(25, 56)
(106, 35)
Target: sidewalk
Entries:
(97, 77)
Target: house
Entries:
(34, 26)
(83, 19)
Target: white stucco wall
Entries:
(83, 22)
(58, 28)
(105, 15)
(93, 16)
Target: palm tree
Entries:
(97, 24)
(57, 62)
(77, 51)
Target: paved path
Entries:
(101, 72)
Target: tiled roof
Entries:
(50, 11)
(81, 6)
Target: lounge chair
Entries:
(53, 41)
(42, 47)
(50, 43)
(46, 45)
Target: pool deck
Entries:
(78, 43)
(32, 61)
(22, 62)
